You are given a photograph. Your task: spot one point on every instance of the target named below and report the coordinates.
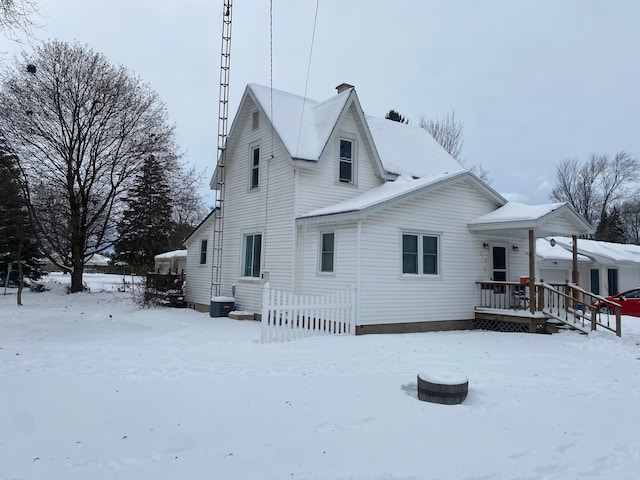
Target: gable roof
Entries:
(390, 193)
(304, 126)
(200, 226)
(516, 217)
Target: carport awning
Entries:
(517, 219)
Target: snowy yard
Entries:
(92, 387)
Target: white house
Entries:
(604, 268)
(320, 197)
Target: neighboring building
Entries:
(326, 197)
(605, 268)
(171, 262)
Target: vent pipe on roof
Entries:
(343, 86)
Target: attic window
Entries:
(256, 120)
(345, 166)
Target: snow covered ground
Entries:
(93, 387)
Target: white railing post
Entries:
(266, 309)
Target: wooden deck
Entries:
(508, 306)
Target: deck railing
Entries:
(565, 302)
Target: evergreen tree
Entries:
(611, 227)
(19, 250)
(395, 117)
(146, 227)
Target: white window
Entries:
(420, 254)
(256, 120)
(327, 252)
(346, 167)
(203, 252)
(252, 252)
(254, 162)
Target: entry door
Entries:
(499, 261)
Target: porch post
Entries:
(532, 271)
(574, 272)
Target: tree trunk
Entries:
(76, 279)
(21, 282)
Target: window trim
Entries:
(321, 252)
(204, 246)
(420, 255)
(243, 264)
(353, 161)
(253, 167)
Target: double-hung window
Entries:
(252, 252)
(420, 254)
(203, 252)
(254, 162)
(346, 163)
(327, 252)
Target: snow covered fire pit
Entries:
(442, 388)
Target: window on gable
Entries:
(255, 167)
(203, 252)
(252, 252)
(256, 120)
(345, 167)
(420, 254)
(327, 252)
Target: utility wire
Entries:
(306, 83)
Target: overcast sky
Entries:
(535, 82)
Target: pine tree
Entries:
(19, 251)
(611, 227)
(146, 227)
(395, 116)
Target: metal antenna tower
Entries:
(223, 118)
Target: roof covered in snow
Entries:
(603, 252)
(396, 191)
(305, 126)
(515, 217)
(545, 251)
(172, 254)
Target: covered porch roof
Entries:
(516, 220)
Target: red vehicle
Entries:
(629, 301)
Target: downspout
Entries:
(533, 302)
(358, 271)
(296, 255)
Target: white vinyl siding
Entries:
(449, 295)
(318, 184)
(273, 202)
(198, 288)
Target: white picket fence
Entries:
(287, 316)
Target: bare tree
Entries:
(447, 132)
(82, 128)
(630, 212)
(17, 15)
(596, 186)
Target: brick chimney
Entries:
(343, 86)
